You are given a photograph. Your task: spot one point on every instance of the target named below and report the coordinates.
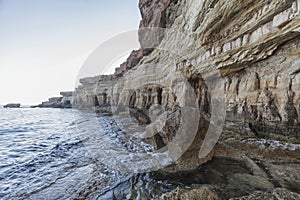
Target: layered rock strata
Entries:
(243, 54)
(65, 101)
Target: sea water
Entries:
(61, 153)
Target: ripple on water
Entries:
(53, 153)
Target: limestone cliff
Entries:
(247, 51)
(65, 101)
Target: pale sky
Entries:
(43, 43)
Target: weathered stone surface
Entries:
(277, 194)
(195, 194)
(153, 15)
(58, 102)
(247, 50)
(140, 116)
(66, 94)
(133, 59)
(53, 102)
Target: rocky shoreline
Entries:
(243, 54)
(57, 102)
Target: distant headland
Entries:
(12, 105)
(64, 101)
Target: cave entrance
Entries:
(159, 142)
(201, 90)
(159, 96)
(96, 101)
(149, 99)
(104, 98)
(132, 100)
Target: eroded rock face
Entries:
(58, 102)
(181, 194)
(153, 15)
(247, 52)
(278, 193)
(133, 59)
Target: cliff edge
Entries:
(243, 54)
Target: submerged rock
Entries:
(203, 192)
